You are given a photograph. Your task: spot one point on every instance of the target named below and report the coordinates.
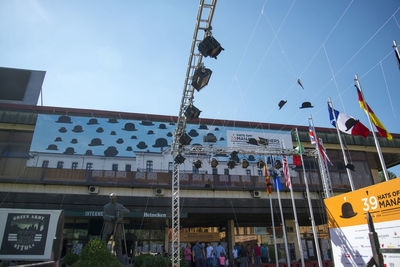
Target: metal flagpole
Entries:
(282, 218)
(309, 204)
(295, 218)
(273, 232)
(272, 218)
(378, 147)
(396, 49)
(341, 145)
(325, 182)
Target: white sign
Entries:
(276, 139)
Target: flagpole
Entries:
(309, 204)
(272, 216)
(396, 49)
(341, 145)
(325, 182)
(378, 147)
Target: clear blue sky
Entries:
(132, 56)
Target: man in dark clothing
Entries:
(198, 254)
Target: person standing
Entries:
(235, 253)
(219, 249)
(198, 254)
(257, 255)
(264, 253)
(244, 261)
(188, 255)
(221, 259)
(210, 253)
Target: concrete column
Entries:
(292, 237)
(166, 236)
(230, 235)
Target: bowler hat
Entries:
(150, 132)
(89, 152)
(74, 141)
(162, 126)
(169, 134)
(92, 121)
(58, 139)
(112, 120)
(120, 141)
(52, 147)
(193, 133)
(203, 127)
(347, 211)
(141, 145)
(64, 119)
(129, 127)
(62, 130)
(147, 123)
(111, 151)
(161, 142)
(306, 105)
(77, 129)
(69, 151)
(96, 142)
(100, 130)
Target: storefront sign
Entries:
(260, 230)
(27, 234)
(276, 139)
(134, 214)
(348, 224)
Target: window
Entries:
(89, 166)
(115, 167)
(45, 164)
(260, 173)
(195, 170)
(74, 165)
(128, 167)
(149, 166)
(170, 166)
(214, 171)
(60, 164)
(248, 172)
(226, 171)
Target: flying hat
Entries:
(282, 103)
(306, 105)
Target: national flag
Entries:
(324, 154)
(347, 124)
(312, 137)
(286, 171)
(277, 183)
(267, 180)
(379, 126)
(299, 147)
(296, 160)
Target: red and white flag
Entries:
(286, 171)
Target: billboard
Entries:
(30, 234)
(112, 137)
(348, 224)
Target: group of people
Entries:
(205, 255)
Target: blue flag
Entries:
(277, 183)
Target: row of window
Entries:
(128, 167)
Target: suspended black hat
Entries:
(350, 167)
(306, 105)
(281, 103)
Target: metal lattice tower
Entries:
(203, 22)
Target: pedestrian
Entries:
(235, 253)
(219, 249)
(257, 255)
(244, 261)
(198, 254)
(264, 253)
(250, 252)
(210, 253)
(222, 259)
(188, 254)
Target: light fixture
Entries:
(197, 164)
(260, 164)
(201, 77)
(277, 164)
(245, 163)
(192, 112)
(210, 47)
(214, 163)
(179, 159)
(231, 164)
(185, 139)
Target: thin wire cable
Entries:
(387, 89)
(397, 22)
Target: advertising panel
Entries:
(28, 234)
(348, 224)
(276, 139)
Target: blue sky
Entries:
(132, 56)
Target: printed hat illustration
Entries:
(129, 148)
(169, 134)
(203, 127)
(133, 137)
(193, 133)
(99, 130)
(147, 123)
(306, 105)
(77, 129)
(58, 139)
(162, 126)
(113, 133)
(210, 138)
(221, 139)
(216, 129)
(64, 119)
(52, 147)
(111, 151)
(129, 127)
(96, 142)
(252, 141)
(150, 132)
(69, 151)
(281, 103)
(112, 120)
(141, 145)
(62, 130)
(120, 141)
(161, 142)
(89, 152)
(347, 211)
(172, 123)
(251, 158)
(92, 121)
(74, 141)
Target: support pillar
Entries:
(166, 236)
(230, 234)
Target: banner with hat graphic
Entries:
(348, 224)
